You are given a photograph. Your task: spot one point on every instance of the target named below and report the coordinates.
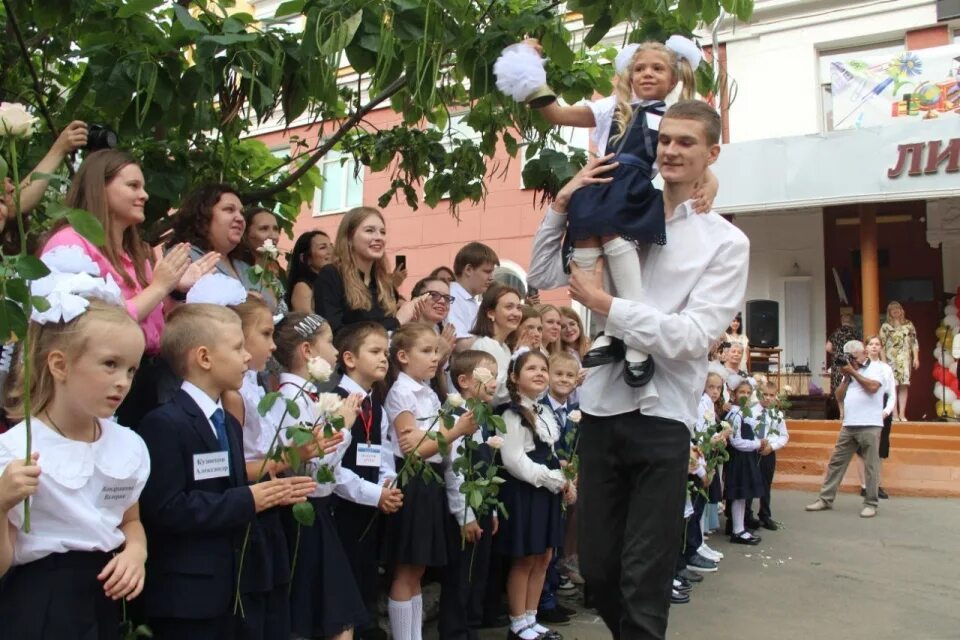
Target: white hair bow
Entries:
(683, 47)
(73, 279)
(217, 288)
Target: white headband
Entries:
(683, 47)
(74, 278)
(217, 288)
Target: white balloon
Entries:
(938, 391)
(948, 361)
(938, 353)
(950, 309)
(952, 321)
(949, 396)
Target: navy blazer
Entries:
(194, 528)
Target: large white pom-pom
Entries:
(519, 71)
(217, 288)
(622, 61)
(685, 48)
(70, 259)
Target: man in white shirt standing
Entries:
(859, 393)
(635, 442)
(473, 267)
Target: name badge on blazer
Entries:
(368, 455)
(207, 466)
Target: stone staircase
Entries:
(924, 458)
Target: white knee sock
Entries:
(623, 264)
(401, 619)
(739, 511)
(586, 258)
(416, 623)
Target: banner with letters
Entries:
(922, 84)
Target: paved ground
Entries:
(826, 576)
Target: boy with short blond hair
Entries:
(196, 509)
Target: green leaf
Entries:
(557, 50)
(476, 499)
(293, 457)
(188, 21)
(135, 7)
(304, 514)
(40, 303)
(300, 437)
(12, 320)
(498, 424)
(292, 408)
(342, 35)
(30, 267)
(266, 403)
(325, 475)
(230, 38)
(17, 290)
(87, 225)
(290, 7)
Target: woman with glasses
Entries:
(436, 291)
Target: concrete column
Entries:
(869, 269)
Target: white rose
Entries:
(327, 404)
(454, 400)
(15, 120)
(482, 375)
(787, 389)
(269, 249)
(710, 416)
(574, 416)
(726, 425)
(319, 369)
(495, 442)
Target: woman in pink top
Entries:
(110, 185)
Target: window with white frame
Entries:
(835, 55)
(574, 137)
(342, 184)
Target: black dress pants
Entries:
(768, 465)
(633, 477)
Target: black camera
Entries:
(841, 360)
(100, 136)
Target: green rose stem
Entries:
(26, 340)
(237, 604)
(407, 459)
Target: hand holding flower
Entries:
(124, 575)
(18, 482)
(471, 532)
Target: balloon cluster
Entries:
(946, 387)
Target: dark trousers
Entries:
(464, 586)
(182, 629)
(768, 466)
(693, 535)
(361, 544)
(633, 472)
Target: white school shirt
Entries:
(463, 311)
(692, 286)
(456, 501)
(258, 431)
(352, 487)
(85, 488)
(603, 111)
(518, 441)
(414, 397)
(207, 404)
(706, 414)
(776, 432)
(290, 385)
(501, 353)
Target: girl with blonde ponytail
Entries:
(624, 210)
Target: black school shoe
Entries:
(609, 354)
(745, 537)
(552, 616)
(689, 576)
(637, 374)
(678, 598)
(769, 524)
(882, 494)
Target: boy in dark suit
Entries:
(196, 506)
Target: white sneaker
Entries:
(707, 552)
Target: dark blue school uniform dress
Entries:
(629, 205)
(742, 479)
(535, 522)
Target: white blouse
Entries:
(85, 488)
(258, 431)
(518, 442)
(409, 395)
(290, 385)
(501, 353)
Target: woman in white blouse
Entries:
(499, 315)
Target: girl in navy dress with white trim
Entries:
(532, 493)
(742, 478)
(86, 548)
(416, 534)
(624, 211)
(325, 601)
